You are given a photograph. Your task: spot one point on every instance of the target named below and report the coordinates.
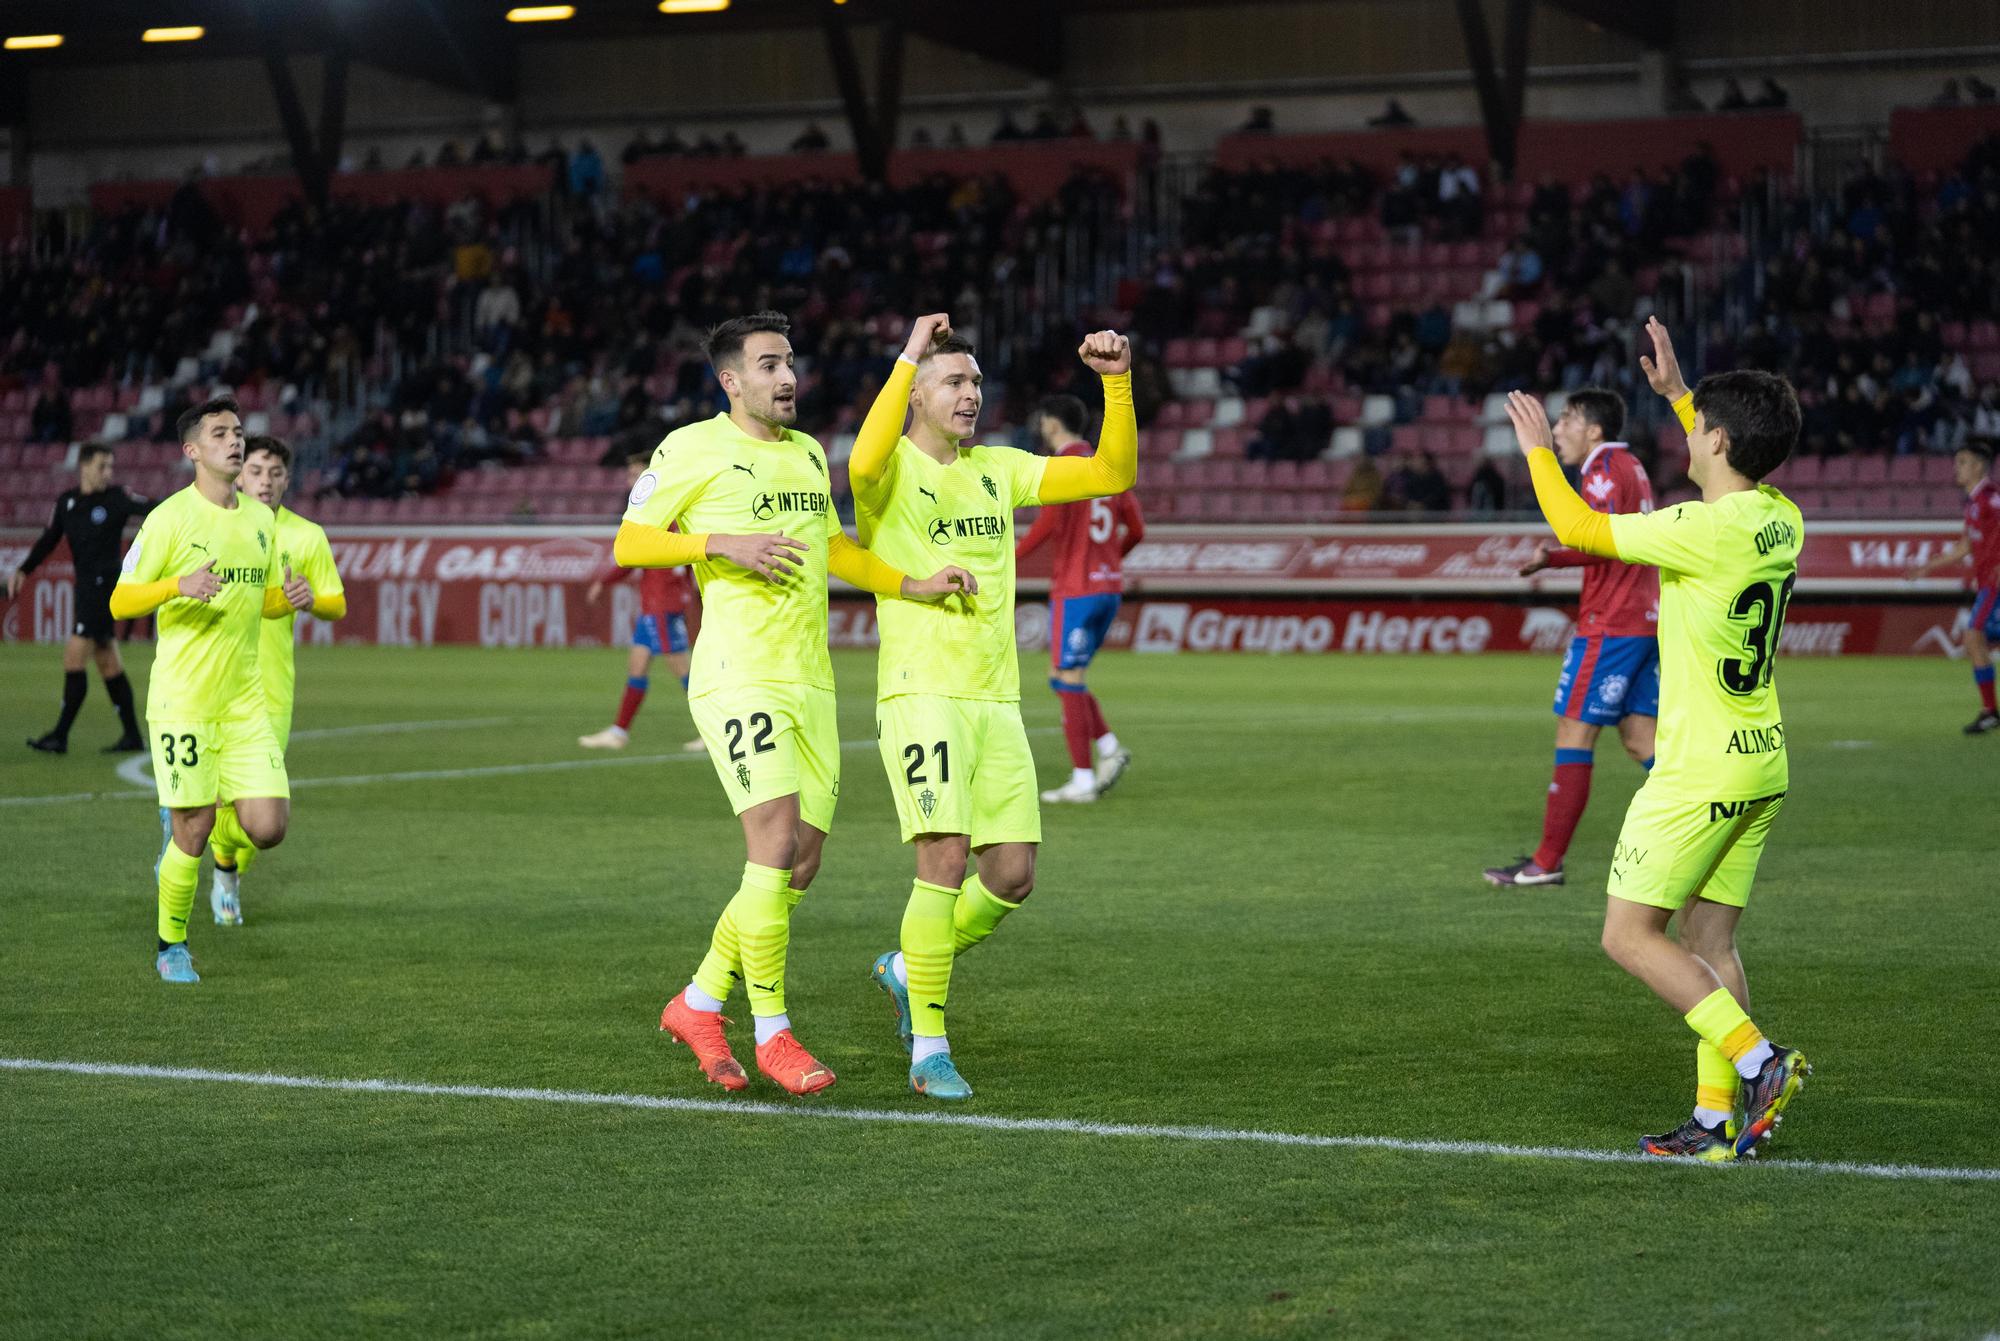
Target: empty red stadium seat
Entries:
(1906, 470)
(1871, 470)
(1838, 471)
(1803, 472)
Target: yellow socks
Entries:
(722, 967)
(231, 846)
(927, 954)
(179, 873)
(762, 918)
(1715, 1084)
(979, 910)
(1724, 1025)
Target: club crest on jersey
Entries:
(174, 781)
(98, 515)
(992, 489)
(940, 531)
(262, 544)
(743, 775)
(927, 801)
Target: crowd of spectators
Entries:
(481, 318)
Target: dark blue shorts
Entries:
(1986, 612)
(1605, 680)
(1078, 626)
(648, 633)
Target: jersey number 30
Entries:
(1762, 610)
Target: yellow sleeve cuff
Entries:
(876, 440)
(275, 604)
(641, 546)
(1113, 467)
(132, 600)
(330, 607)
(1575, 523)
(1684, 411)
(859, 567)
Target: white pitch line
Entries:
(976, 1122)
(401, 728)
(439, 774)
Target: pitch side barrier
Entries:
(1371, 588)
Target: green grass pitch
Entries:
(1276, 923)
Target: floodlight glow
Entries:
(541, 13)
(40, 42)
(192, 33)
(693, 6)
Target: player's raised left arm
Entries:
(872, 461)
(1113, 467)
(1574, 522)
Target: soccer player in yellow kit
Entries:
(1696, 829)
(205, 560)
(756, 519)
(948, 711)
(302, 549)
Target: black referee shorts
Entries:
(93, 608)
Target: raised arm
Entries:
(1113, 467)
(868, 466)
(1574, 522)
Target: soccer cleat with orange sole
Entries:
(785, 1060)
(701, 1030)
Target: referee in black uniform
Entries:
(92, 518)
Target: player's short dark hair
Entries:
(951, 344)
(1065, 410)
(90, 451)
(1758, 410)
(265, 442)
(1979, 447)
(191, 417)
(724, 343)
(1601, 407)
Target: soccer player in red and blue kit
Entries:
(1091, 539)
(660, 630)
(1973, 468)
(1612, 672)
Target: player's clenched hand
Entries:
(944, 582)
(928, 331)
(298, 591)
(1536, 564)
(1663, 369)
(1106, 353)
(202, 584)
(1531, 421)
(772, 557)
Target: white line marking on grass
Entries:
(439, 774)
(400, 728)
(932, 1118)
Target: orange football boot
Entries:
(785, 1060)
(701, 1030)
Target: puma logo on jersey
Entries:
(927, 493)
(745, 469)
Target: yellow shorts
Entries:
(959, 765)
(281, 728)
(199, 763)
(1671, 851)
(769, 740)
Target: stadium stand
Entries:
(1330, 320)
